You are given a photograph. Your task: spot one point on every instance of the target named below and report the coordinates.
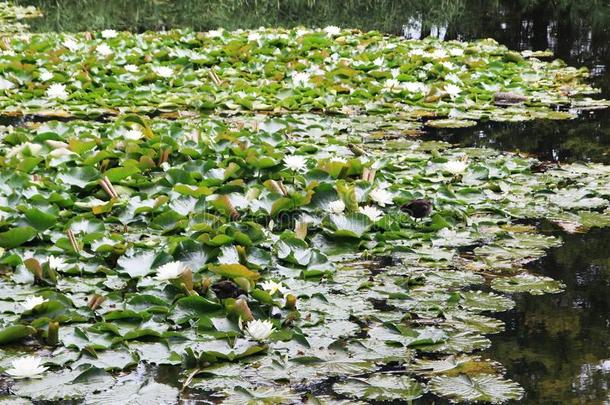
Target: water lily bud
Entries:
(291, 302)
(243, 283)
(205, 285)
(368, 174)
(276, 187)
(252, 194)
(95, 301)
(241, 252)
(185, 280)
(300, 229)
(34, 266)
(356, 149)
(146, 162)
(51, 274)
(53, 333)
(242, 310)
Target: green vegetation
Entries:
(331, 71)
(238, 214)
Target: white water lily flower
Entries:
(254, 36)
(131, 68)
(300, 79)
(58, 263)
(272, 287)
(391, 84)
(379, 61)
(336, 207)
(259, 330)
(133, 134)
(295, 162)
(103, 50)
(33, 149)
(382, 196)
(372, 212)
(448, 65)
(58, 91)
(163, 71)
(456, 52)
(416, 52)
(32, 302)
(107, 34)
(453, 90)
(45, 75)
(26, 367)
(455, 167)
(215, 33)
(439, 54)
(395, 73)
(453, 78)
(415, 87)
(229, 255)
(332, 30)
(170, 271)
(6, 84)
(70, 44)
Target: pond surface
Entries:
(556, 346)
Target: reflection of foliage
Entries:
(584, 139)
(387, 15)
(560, 340)
(384, 15)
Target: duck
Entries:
(227, 289)
(419, 208)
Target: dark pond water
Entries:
(556, 346)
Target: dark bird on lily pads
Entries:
(226, 289)
(419, 208)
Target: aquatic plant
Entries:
(260, 255)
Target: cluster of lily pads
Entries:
(268, 258)
(270, 252)
(327, 70)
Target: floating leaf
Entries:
(350, 225)
(13, 333)
(530, 283)
(17, 236)
(65, 385)
(135, 393)
(380, 387)
(192, 307)
(234, 271)
(488, 388)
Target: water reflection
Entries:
(557, 346)
(584, 139)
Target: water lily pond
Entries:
(275, 215)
